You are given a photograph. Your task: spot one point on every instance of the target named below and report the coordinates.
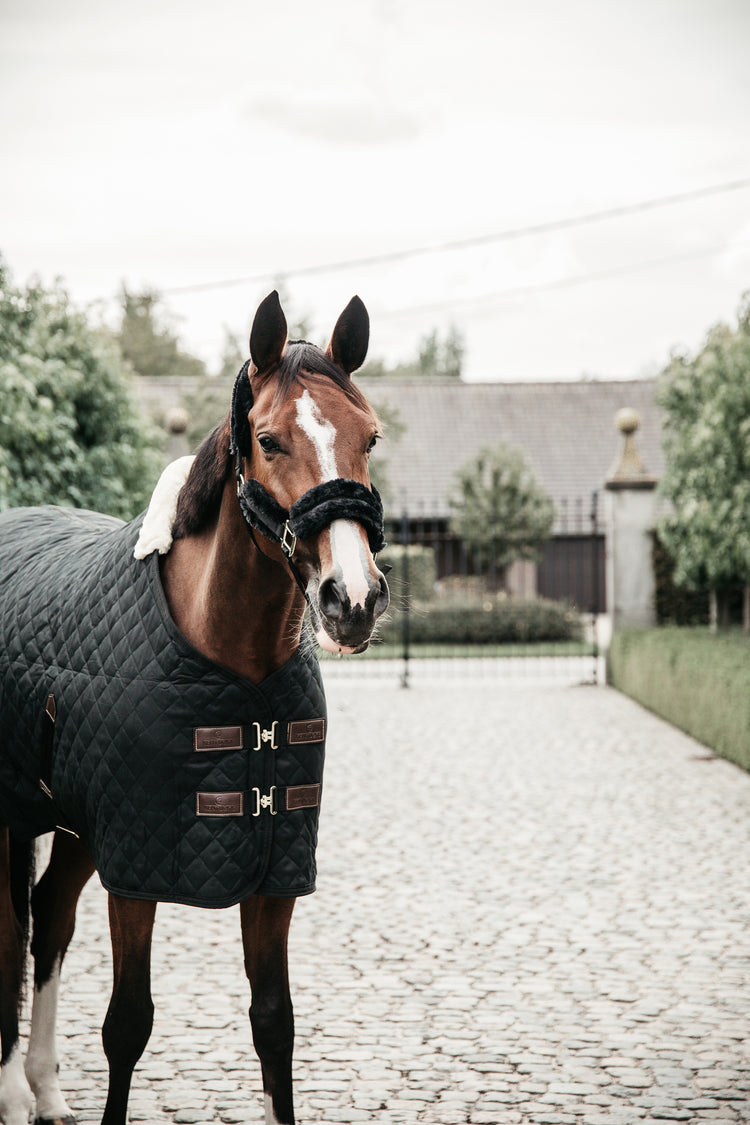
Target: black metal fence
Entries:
(536, 617)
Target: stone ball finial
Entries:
(627, 420)
(628, 469)
(177, 420)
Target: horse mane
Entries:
(200, 498)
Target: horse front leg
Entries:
(53, 904)
(16, 1099)
(130, 1015)
(265, 929)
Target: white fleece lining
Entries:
(156, 532)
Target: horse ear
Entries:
(268, 334)
(348, 346)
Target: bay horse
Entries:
(210, 589)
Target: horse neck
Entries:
(233, 603)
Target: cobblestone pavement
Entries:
(533, 907)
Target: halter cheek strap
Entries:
(264, 514)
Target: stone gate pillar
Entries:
(631, 515)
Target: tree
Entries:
(232, 355)
(706, 402)
(206, 405)
(442, 358)
(501, 511)
(393, 430)
(70, 432)
(436, 358)
(299, 327)
(149, 342)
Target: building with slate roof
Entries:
(566, 431)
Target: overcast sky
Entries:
(188, 144)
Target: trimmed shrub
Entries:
(493, 621)
(422, 569)
(696, 680)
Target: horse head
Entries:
(302, 438)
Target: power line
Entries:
(560, 283)
(506, 235)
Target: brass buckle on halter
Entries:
(266, 801)
(288, 541)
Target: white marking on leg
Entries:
(271, 1118)
(41, 1057)
(346, 542)
(16, 1099)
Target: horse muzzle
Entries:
(345, 601)
(343, 625)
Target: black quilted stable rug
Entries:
(186, 782)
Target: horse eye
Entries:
(268, 444)
(373, 443)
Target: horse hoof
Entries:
(69, 1120)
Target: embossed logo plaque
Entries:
(306, 730)
(219, 804)
(217, 738)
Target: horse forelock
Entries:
(302, 363)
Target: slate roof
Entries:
(566, 431)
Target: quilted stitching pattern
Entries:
(81, 618)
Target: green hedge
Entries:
(696, 680)
(507, 621)
(422, 569)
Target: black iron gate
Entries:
(537, 615)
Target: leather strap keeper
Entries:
(306, 730)
(302, 797)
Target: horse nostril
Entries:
(331, 598)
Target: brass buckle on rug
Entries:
(265, 734)
(265, 801)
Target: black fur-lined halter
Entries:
(315, 510)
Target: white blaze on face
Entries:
(321, 433)
(346, 543)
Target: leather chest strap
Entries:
(298, 732)
(253, 802)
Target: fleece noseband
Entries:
(315, 510)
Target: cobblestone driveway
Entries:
(533, 906)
